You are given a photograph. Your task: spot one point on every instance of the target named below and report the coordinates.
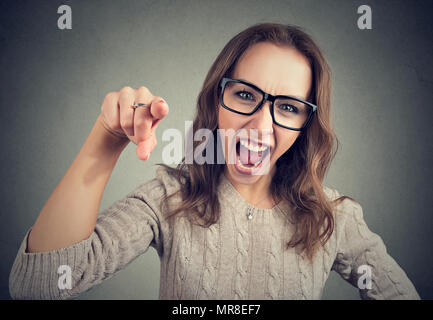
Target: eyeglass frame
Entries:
(266, 97)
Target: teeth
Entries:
(251, 147)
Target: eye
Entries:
(288, 108)
(245, 95)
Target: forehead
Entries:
(275, 69)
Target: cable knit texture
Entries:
(236, 258)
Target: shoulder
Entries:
(347, 214)
(167, 179)
(351, 228)
(163, 183)
(344, 206)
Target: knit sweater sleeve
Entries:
(123, 231)
(363, 261)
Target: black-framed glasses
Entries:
(242, 97)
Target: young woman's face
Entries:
(277, 70)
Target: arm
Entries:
(67, 235)
(361, 251)
(123, 231)
(69, 216)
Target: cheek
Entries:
(284, 140)
(226, 119)
(219, 114)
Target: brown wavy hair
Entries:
(300, 171)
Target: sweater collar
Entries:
(231, 196)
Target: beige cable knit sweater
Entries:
(236, 258)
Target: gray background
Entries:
(53, 83)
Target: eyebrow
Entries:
(288, 95)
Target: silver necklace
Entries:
(250, 209)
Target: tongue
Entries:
(249, 157)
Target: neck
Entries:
(258, 191)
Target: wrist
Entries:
(116, 137)
(107, 141)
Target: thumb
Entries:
(159, 108)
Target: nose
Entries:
(262, 118)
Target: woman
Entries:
(259, 227)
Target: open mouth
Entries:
(250, 155)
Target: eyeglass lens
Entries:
(287, 112)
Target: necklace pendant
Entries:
(250, 214)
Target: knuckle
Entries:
(126, 96)
(111, 96)
(126, 89)
(143, 90)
